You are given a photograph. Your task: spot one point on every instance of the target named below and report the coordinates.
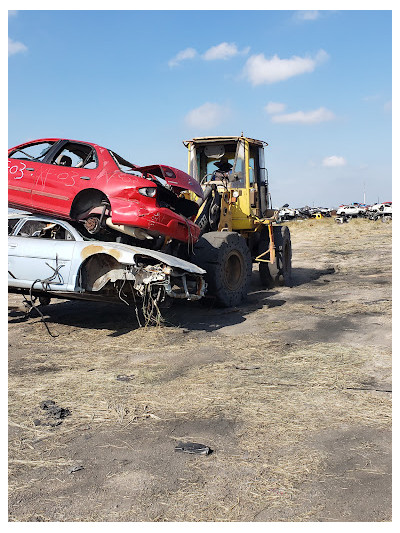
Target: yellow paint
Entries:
(94, 249)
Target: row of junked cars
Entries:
(372, 212)
(81, 212)
(287, 213)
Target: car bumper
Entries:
(154, 219)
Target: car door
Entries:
(40, 251)
(71, 168)
(24, 167)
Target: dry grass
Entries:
(277, 406)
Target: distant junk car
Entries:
(49, 257)
(349, 210)
(83, 182)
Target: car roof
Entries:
(52, 139)
(18, 214)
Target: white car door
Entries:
(41, 252)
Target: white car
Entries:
(285, 213)
(348, 210)
(49, 257)
(382, 209)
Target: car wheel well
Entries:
(94, 267)
(86, 200)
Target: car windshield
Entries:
(122, 163)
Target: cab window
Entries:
(253, 165)
(206, 161)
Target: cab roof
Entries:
(223, 139)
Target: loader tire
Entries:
(283, 250)
(226, 258)
(280, 271)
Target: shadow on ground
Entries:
(205, 315)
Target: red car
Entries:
(84, 182)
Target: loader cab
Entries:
(247, 177)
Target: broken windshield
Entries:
(122, 163)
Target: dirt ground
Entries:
(291, 391)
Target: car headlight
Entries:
(148, 191)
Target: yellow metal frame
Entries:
(236, 211)
(271, 248)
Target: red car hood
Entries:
(174, 177)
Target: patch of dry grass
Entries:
(278, 401)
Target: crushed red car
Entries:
(97, 188)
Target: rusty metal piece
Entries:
(92, 225)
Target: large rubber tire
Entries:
(279, 272)
(227, 260)
(283, 251)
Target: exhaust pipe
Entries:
(137, 233)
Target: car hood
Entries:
(127, 254)
(174, 177)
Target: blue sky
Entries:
(316, 85)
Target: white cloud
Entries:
(14, 47)
(307, 15)
(306, 117)
(188, 53)
(209, 115)
(260, 70)
(274, 107)
(224, 51)
(334, 161)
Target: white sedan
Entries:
(49, 257)
(349, 210)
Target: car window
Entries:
(44, 230)
(76, 155)
(35, 151)
(11, 224)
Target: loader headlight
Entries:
(148, 191)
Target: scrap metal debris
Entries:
(76, 469)
(193, 447)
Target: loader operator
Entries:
(224, 168)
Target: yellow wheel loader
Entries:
(238, 225)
